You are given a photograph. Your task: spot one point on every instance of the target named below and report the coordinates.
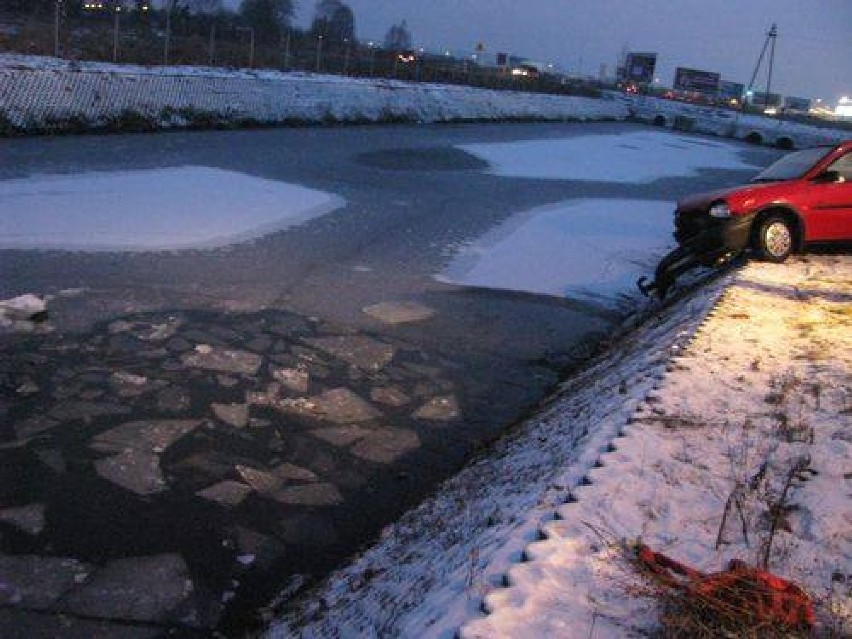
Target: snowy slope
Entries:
(647, 442)
(45, 93)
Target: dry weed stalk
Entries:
(685, 616)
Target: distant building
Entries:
(695, 80)
(108, 6)
(638, 67)
(520, 66)
(797, 105)
(766, 100)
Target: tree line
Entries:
(270, 20)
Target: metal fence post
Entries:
(169, 4)
(287, 51)
(212, 48)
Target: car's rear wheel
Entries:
(775, 238)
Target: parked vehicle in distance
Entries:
(803, 198)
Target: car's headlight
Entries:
(720, 209)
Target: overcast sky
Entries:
(813, 55)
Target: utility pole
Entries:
(211, 56)
(319, 52)
(250, 31)
(769, 43)
(56, 18)
(169, 6)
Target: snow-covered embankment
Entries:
(43, 95)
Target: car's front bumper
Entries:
(715, 237)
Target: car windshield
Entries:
(791, 166)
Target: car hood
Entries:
(742, 192)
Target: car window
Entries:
(793, 165)
(843, 166)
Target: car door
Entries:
(829, 205)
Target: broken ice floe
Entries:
(23, 313)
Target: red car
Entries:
(804, 197)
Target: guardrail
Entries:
(755, 129)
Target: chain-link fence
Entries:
(132, 38)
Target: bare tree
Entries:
(208, 7)
(398, 37)
(334, 21)
(267, 17)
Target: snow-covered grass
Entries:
(648, 442)
(180, 207)
(760, 395)
(44, 94)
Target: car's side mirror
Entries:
(828, 177)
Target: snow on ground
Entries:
(45, 94)
(171, 208)
(752, 372)
(641, 156)
(763, 388)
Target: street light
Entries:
(319, 51)
(372, 46)
(346, 57)
(115, 34)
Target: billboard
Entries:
(760, 98)
(639, 67)
(802, 105)
(731, 90)
(695, 80)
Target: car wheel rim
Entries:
(778, 239)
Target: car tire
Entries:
(775, 238)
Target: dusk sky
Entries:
(813, 51)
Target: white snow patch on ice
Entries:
(642, 156)
(578, 248)
(179, 207)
